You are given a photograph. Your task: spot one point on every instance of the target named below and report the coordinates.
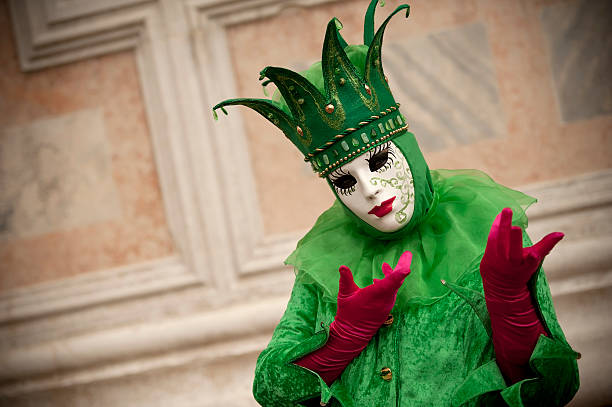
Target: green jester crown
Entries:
(354, 113)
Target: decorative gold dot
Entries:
(301, 101)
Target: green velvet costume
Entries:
(437, 350)
(438, 346)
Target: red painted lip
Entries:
(382, 209)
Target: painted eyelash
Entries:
(345, 191)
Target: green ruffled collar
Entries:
(444, 244)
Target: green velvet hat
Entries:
(355, 112)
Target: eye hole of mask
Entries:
(345, 181)
(378, 160)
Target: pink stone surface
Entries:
(109, 83)
(536, 146)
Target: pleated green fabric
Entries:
(438, 347)
(448, 230)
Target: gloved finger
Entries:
(516, 244)
(386, 269)
(403, 264)
(503, 233)
(394, 281)
(544, 246)
(347, 285)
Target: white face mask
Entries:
(378, 187)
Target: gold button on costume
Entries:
(386, 374)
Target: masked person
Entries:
(464, 317)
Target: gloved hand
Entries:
(506, 268)
(361, 312)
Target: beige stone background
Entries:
(38, 135)
(508, 87)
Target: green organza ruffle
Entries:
(444, 244)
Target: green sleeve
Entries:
(553, 362)
(279, 382)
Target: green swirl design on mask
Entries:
(404, 186)
(402, 181)
(392, 182)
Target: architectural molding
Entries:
(102, 355)
(94, 288)
(254, 251)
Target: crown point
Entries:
(329, 108)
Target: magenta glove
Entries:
(506, 267)
(361, 311)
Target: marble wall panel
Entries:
(79, 189)
(56, 174)
(579, 39)
(447, 81)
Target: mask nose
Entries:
(370, 191)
